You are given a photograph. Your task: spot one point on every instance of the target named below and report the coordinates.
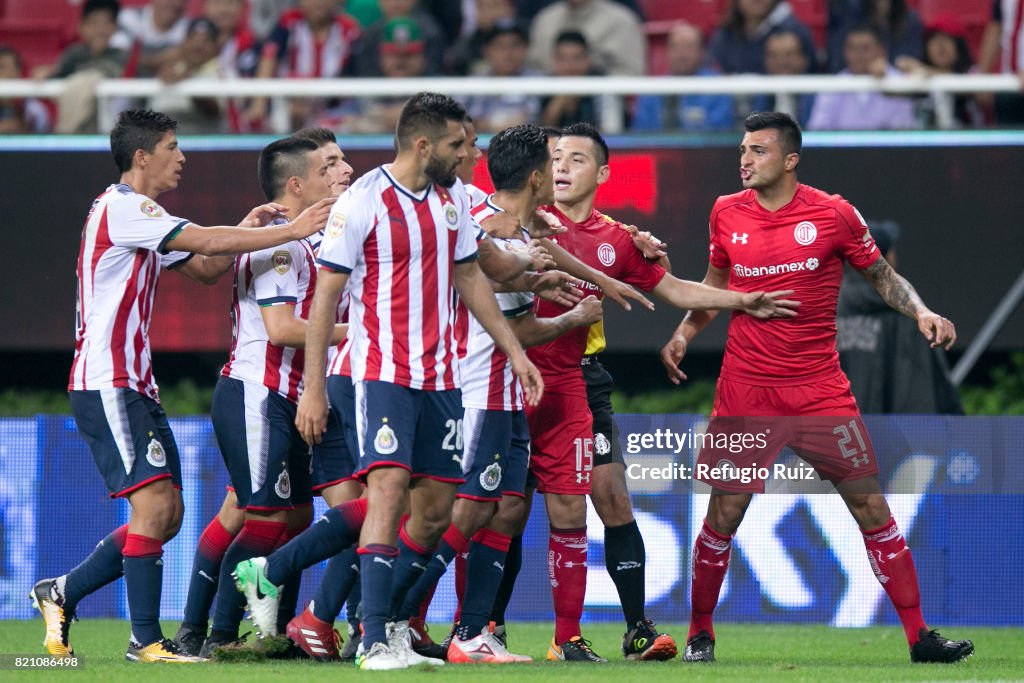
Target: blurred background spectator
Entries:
(737, 47)
(367, 60)
(194, 58)
(1004, 40)
(865, 56)
(571, 58)
(686, 57)
(19, 114)
(467, 57)
(315, 40)
(891, 367)
(505, 56)
(146, 32)
(899, 27)
(945, 52)
(614, 33)
(784, 56)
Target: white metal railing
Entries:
(281, 90)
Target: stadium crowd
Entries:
(85, 41)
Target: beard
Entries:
(438, 171)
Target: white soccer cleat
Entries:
(261, 596)
(400, 642)
(380, 658)
(482, 649)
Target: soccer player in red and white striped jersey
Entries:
(113, 395)
(401, 238)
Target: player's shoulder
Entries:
(125, 203)
(611, 227)
(813, 197)
(736, 199)
(475, 195)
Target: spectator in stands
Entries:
(899, 26)
(865, 56)
(314, 40)
(945, 52)
(195, 58)
(401, 56)
(738, 46)
(686, 57)
(571, 58)
(615, 35)
(367, 61)
(526, 10)
(19, 115)
(784, 56)
(264, 15)
(505, 54)
(467, 57)
(238, 54)
(147, 32)
(1004, 36)
(84, 64)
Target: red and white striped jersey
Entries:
(400, 249)
(1011, 15)
(301, 55)
(278, 276)
(118, 266)
(488, 382)
(476, 195)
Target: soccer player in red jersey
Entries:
(561, 426)
(781, 233)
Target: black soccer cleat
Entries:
(700, 648)
(220, 639)
(933, 648)
(190, 639)
(576, 649)
(643, 642)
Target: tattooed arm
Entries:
(901, 296)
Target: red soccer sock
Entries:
(567, 570)
(710, 563)
(214, 541)
(893, 566)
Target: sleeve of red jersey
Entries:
(352, 219)
(854, 240)
(275, 275)
(717, 256)
(635, 270)
(137, 222)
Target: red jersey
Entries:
(603, 244)
(801, 247)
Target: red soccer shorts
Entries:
(561, 443)
(751, 424)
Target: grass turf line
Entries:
(763, 652)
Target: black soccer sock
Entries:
(625, 557)
(202, 584)
(412, 563)
(340, 577)
(256, 539)
(513, 563)
(104, 565)
(336, 530)
(143, 579)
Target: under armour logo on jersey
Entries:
(738, 238)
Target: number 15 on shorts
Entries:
(584, 459)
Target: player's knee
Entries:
(472, 515)
(433, 522)
(300, 517)
(869, 509)
(567, 511)
(726, 512)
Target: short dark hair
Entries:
(318, 134)
(552, 131)
(6, 50)
(514, 154)
(572, 37)
(90, 6)
(587, 130)
(427, 113)
(503, 27)
(790, 138)
(138, 129)
(282, 159)
(865, 27)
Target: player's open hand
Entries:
(530, 377)
(260, 215)
(651, 246)
(311, 416)
(937, 330)
(672, 355)
(545, 224)
(557, 287)
(769, 304)
(588, 311)
(619, 292)
(542, 258)
(313, 218)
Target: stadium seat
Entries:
(814, 13)
(38, 42)
(705, 14)
(63, 11)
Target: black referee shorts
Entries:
(599, 396)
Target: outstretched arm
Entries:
(694, 321)
(901, 296)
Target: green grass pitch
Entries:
(768, 652)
